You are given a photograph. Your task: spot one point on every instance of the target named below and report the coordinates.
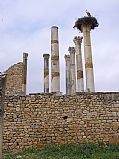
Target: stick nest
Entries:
(86, 21)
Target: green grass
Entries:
(72, 151)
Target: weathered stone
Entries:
(68, 76)
(88, 58)
(14, 79)
(55, 73)
(115, 126)
(46, 73)
(41, 120)
(80, 82)
(72, 70)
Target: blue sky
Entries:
(25, 27)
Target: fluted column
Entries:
(46, 73)
(88, 59)
(72, 70)
(80, 81)
(55, 71)
(25, 56)
(68, 82)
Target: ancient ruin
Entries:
(72, 70)
(16, 78)
(55, 72)
(46, 73)
(78, 116)
(68, 76)
(85, 25)
(80, 81)
(2, 95)
(74, 65)
(25, 56)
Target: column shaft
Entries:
(80, 80)
(25, 56)
(68, 81)
(55, 71)
(1, 114)
(72, 70)
(88, 59)
(46, 73)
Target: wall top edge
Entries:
(64, 95)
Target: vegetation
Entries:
(72, 151)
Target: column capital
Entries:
(77, 40)
(55, 27)
(25, 55)
(46, 56)
(71, 50)
(67, 57)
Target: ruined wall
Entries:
(14, 79)
(38, 120)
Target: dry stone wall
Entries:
(38, 120)
(14, 79)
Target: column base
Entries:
(57, 93)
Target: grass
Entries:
(71, 151)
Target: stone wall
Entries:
(14, 79)
(38, 120)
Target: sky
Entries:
(25, 26)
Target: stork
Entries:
(88, 13)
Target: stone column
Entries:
(72, 70)
(55, 70)
(88, 58)
(46, 73)
(1, 114)
(25, 56)
(80, 81)
(85, 24)
(68, 82)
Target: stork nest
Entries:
(86, 21)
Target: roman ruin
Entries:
(46, 73)
(25, 56)
(41, 119)
(55, 71)
(68, 76)
(85, 25)
(1, 116)
(88, 59)
(80, 81)
(72, 70)
(2, 96)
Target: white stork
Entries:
(88, 13)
